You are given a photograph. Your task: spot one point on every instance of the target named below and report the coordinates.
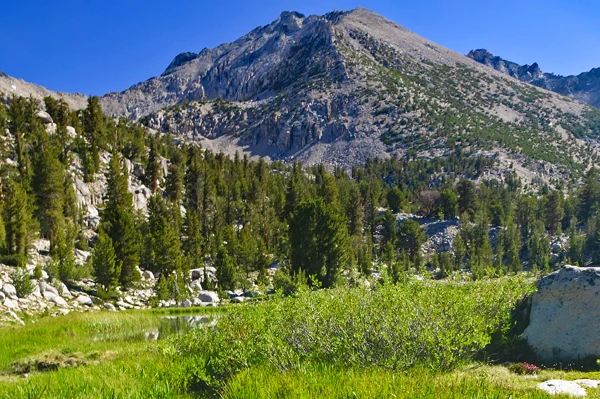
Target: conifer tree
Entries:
(589, 197)
(48, 188)
(460, 251)
(355, 212)
(153, 171)
(95, 133)
(467, 197)
(448, 203)
(118, 220)
(18, 127)
(576, 245)
(175, 178)
(226, 273)
(396, 199)
(166, 256)
(318, 241)
(18, 220)
(539, 247)
(62, 253)
(554, 212)
(410, 239)
(106, 267)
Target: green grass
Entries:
(415, 340)
(324, 381)
(121, 363)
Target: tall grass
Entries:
(432, 325)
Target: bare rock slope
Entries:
(12, 86)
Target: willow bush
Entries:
(429, 324)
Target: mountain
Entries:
(12, 86)
(348, 86)
(584, 87)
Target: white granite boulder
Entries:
(565, 315)
(562, 387)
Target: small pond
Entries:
(171, 325)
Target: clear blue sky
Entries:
(94, 47)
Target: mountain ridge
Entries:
(584, 87)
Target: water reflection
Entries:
(171, 325)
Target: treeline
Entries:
(240, 215)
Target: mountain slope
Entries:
(584, 87)
(12, 86)
(348, 86)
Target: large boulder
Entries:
(198, 274)
(60, 302)
(565, 315)
(64, 290)
(44, 117)
(110, 307)
(209, 297)
(84, 300)
(10, 291)
(148, 275)
(47, 288)
(562, 387)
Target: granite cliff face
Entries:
(584, 87)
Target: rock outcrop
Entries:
(565, 315)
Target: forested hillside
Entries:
(240, 216)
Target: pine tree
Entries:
(152, 173)
(18, 127)
(539, 247)
(318, 241)
(18, 220)
(175, 178)
(166, 256)
(355, 212)
(48, 188)
(467, 197)
(589, 197)
(554, 212)
(118, 220)
(226, 273)
(62, 253)
(411, 237)
(460, 251)
(576, 245)
(106, 267)
(396, 199)
(448, 203)
(95, 132)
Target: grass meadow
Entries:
(419, 339)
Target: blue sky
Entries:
(94, 47)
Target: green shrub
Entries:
(21, 281)
(430, 324)
(38, 272)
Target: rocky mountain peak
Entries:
(179, 60)
(289, 22)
